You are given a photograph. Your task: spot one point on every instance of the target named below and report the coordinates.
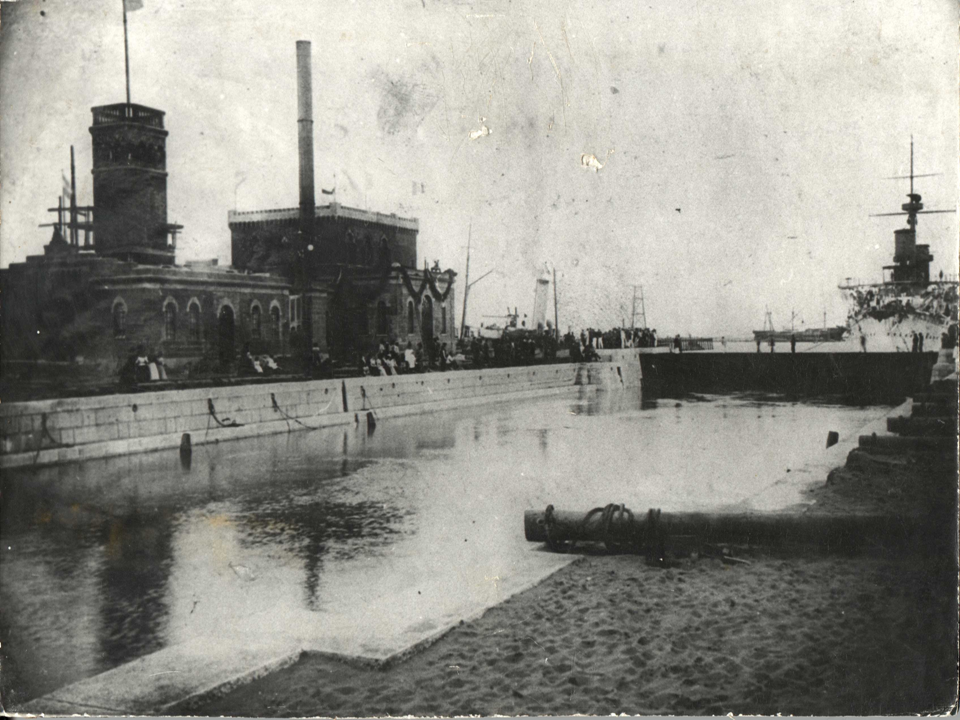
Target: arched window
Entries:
(119, 319)
(383, 324)
(170, 321)
(255, 322)
(443, 318)
(193, 321)
(426, 316)
(275, 323)
(411, 314)
(368, 258)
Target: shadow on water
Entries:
(86, 583)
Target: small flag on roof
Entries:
(131, 5)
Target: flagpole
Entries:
(126, 50)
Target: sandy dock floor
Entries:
(872, 633)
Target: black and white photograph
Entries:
(445, 358)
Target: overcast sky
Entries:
(743, 144)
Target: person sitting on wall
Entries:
(409, 358)
(249, 364)
(269, 365)
(452, 361)
(418, 357)
(157, 365)
(363, 365)
(313, 362)
(142, 364)
(386, 363)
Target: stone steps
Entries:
(923, 426)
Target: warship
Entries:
(908, 310)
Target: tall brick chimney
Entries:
(305, 131)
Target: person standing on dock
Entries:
(863, 343)
(793, 342)
(758, 345)
(773, 343)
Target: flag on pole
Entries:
(419, 188)
(131, 5)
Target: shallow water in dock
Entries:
(349, 540)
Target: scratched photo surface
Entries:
(403, 357)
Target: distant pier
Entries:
(860, 377)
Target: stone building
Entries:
(347, 285)
(357, 277)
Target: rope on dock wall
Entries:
(45, 433)
(226, 422)
(287, 416)
(366, 402)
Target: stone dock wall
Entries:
(869, 377)
(46, 432)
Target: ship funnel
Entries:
(305, 132)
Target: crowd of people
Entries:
(618, 338)
(390, 359)
(251, 364)
(935, 301)
(142, 366)
(516, 346)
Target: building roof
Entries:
(333, 210)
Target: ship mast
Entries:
(915, 206)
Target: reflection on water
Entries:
(348, 536)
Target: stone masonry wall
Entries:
(56, 431)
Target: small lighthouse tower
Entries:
(130, 185)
